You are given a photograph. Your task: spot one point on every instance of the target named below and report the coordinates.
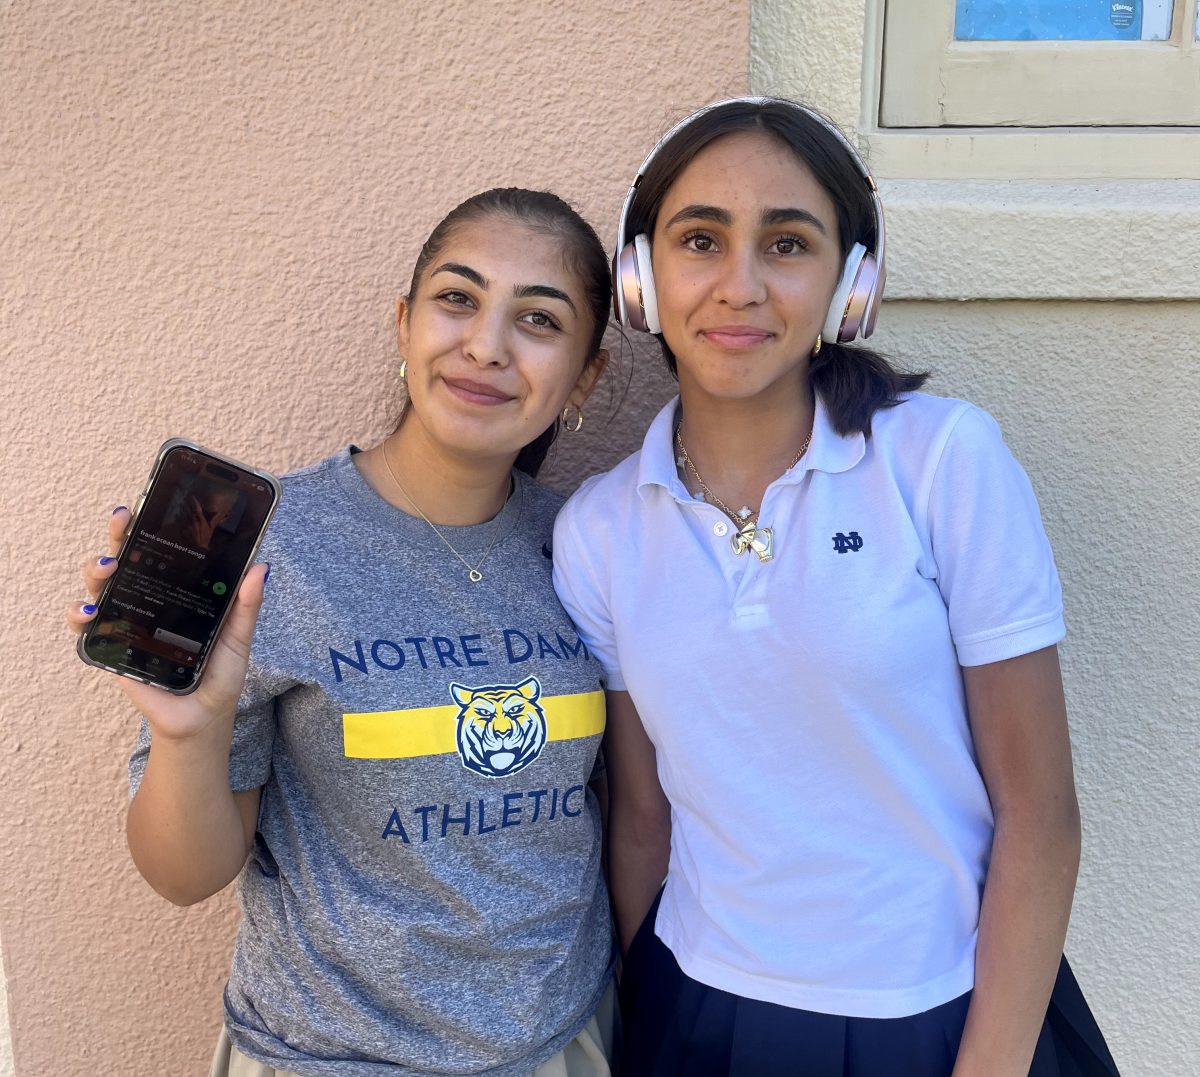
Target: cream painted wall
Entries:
(209, 211)
(1070, 310)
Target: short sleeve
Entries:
(993, 562)
(581, 583)
(253, 733)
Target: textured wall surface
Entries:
(209, 211)
(1020, 296)
(1107, 446)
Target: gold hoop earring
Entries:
(403, 369)
(577, 425)
(817, 347)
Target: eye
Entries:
(454, 298)
(514, 711)
(701, 242)
(539, 319)
(789, 245)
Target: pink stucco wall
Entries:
(208, 212)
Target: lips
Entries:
(735, 336)
(476, 392)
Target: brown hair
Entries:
(582, 251)
(854, 382)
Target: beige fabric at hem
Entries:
(586, 1055)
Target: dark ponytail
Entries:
(856, 382)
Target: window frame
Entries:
(932, 80)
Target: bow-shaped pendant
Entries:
(758, 539)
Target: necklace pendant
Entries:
(474, 575)
(763, 544)
(740, 540)
(744, 512)
(759, 539)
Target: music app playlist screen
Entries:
(181, 565)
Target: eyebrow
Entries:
(527, 291)
(724, 217)
(789, 215)
(520, 291)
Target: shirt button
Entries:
(721, 529)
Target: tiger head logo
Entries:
(501, 728)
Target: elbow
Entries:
(1051, 831)
(645, 821)
(182, 899)
(180, 892)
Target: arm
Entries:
(1019, 724)
(639, 818)
(189, 834)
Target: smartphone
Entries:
(194, 533)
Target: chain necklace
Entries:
(748, 536)
(473, 573)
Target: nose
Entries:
(487, 340)
(740, 281)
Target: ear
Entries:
(530, 689)
(587, 379)
(402, 324)
(461, 695)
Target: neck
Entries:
(741, 446)
(419, 478)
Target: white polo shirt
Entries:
(830, 828)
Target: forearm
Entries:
(186, 829)
(638, 852)
(1023, 922)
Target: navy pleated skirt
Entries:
(677, 1027)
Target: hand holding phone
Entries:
(210, 708)
(193, 535)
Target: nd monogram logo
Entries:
(852, 541)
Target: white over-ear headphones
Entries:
(856, 299)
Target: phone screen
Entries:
(179, 569)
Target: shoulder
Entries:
(539, 500)
(922, 415)
(306, 507)
(921, 427)
(604, 494)
(303, 481)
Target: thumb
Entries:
(225, 674)
(238, 631)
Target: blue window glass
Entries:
(1062, 20)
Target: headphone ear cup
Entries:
(634, 299)
(835, 327)
(645, 276)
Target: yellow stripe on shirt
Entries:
(431, 730)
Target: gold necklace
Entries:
(473, 573)
(748, 536)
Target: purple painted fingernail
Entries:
(88, 608)
(107, 560)
(268, 575)
(120, 508)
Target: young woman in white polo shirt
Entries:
(827, 612)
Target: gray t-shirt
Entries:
(424, 894)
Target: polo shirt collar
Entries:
(828, 451)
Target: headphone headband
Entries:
(859, 290)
